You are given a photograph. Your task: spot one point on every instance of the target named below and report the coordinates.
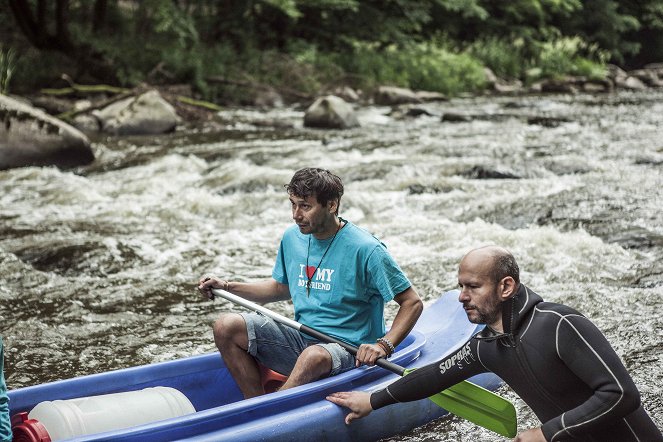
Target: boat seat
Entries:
(271, 380)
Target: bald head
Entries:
(496, 262)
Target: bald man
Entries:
(553, 357)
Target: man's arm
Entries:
(410, 308)
(261, 292)
(420, 384)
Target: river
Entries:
(98, 265)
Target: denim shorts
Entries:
(277, 346)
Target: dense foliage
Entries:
(438, 45)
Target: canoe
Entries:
(297, 414)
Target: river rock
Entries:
(31, 137)
(656, 67)
(485, 173)
(494, 83)
(547, 121)
(330, 112)
(146, 114)
(429, 96)
(267, 98)
(630, 82)
(649, 77)
(559, 85)
(455, 117)
(598, 86)
(346, 93)
(391, 95)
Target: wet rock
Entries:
(615, 71)
(86, 123)
(453, 117)
(346, 93)
(391, 95)
(268, 98)
(656, 67)
(418, 189)
(649, 161)
(629, 82)
(428, 96)
(402, 112)
(564, 86)
(330, 112)
(624, 80)
(500, 85)
(417, 112)
(547, 121)
(51, 105)
(31, 137)
(649, 77)
(482, 173)
(598, 86)
(145, 114)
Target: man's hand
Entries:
(531, 435)
(206, 284)
(369, 353)
(358, 402)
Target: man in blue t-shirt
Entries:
(338, 277)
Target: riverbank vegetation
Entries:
(303, 47)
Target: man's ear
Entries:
(333, 205)
(508, 286)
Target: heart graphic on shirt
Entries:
(310, 271)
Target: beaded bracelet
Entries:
(384, 347)
(388, 343)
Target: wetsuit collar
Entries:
(514, 312)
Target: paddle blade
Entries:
(479, 406)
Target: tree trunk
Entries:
(36, 31)
(99, 15)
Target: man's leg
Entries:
(314, 363)
(230, 337)
(319, 361)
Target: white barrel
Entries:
(64, 419)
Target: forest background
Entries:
(308, 46)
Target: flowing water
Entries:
(98, 265)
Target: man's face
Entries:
(479, 294)
(311, 216)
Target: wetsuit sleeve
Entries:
(431, 379)
(589, 355)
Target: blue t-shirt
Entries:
(348, 289)
(5, 425)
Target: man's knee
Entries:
(228, 327)
(318, 357)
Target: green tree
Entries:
(650, 34)
(606, 23)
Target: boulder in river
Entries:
(146, 114)
(330, 112)
(391, 96)
(31, 137)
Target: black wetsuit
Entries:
(557, 361)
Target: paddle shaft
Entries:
(381, 362)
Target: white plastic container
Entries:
(64, 419)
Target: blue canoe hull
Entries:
(296, 414)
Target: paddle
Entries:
(465, 399)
